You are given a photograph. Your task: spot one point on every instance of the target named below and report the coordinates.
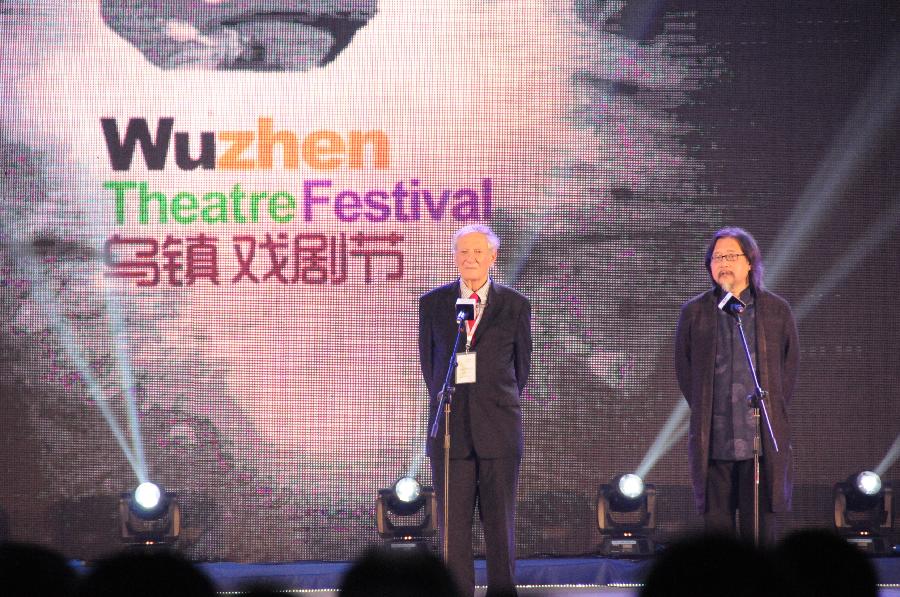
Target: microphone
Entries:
(465, 310)
(731, 304)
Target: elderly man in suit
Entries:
(486, 419)
(715, 378)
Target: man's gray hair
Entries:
(492, 239)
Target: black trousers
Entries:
(729, 491)
(492, 484)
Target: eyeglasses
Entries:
(729, 257)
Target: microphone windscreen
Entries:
(466, 306)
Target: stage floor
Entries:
(551, 591)
(548, 577)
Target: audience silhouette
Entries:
(137, 574)
(808, 563)
(394, 573)
(29, 570)
(712, 565)
(820, 563)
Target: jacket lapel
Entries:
(762, 363)
(708, 330)
(448, 306)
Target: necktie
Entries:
(471, 323)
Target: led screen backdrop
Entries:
(217, 217)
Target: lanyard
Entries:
(470, 331)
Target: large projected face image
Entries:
(223, 213)
(261, 35)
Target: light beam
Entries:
(889, 459)
(44, 297)
(870, 118)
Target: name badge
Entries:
(465, 367)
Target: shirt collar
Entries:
(748, 296)
(466, 292)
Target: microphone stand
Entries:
(758, 403)
(446, 399)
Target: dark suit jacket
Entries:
(777, 355)
(502, 344)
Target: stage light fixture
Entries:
(868, 483)
(406, 513)
(407, 490)
(149, 515)
(147, 497)
(864, 512)
(631, 486)
(626, 516)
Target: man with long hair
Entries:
(716, 380)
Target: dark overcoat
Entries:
(777, 356)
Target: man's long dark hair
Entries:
(748, 247)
